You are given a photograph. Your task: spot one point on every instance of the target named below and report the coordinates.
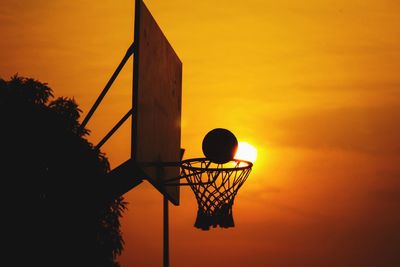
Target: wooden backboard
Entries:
(157, 94)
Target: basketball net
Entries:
(215, 187)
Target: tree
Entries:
(54, 206)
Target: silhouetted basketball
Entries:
(220, 145)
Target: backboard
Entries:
(157, 103)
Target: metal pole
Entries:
(166, 234)
(103, 93)
(114, 129)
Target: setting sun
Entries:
(246, 152)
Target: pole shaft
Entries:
(166, 234)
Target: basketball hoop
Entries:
(215, 186)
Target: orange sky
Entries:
(314, 85)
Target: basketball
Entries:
(220, 145)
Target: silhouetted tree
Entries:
(55, 209)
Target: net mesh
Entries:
(215, 187)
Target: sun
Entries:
(246, 152)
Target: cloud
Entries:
(371, 130)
